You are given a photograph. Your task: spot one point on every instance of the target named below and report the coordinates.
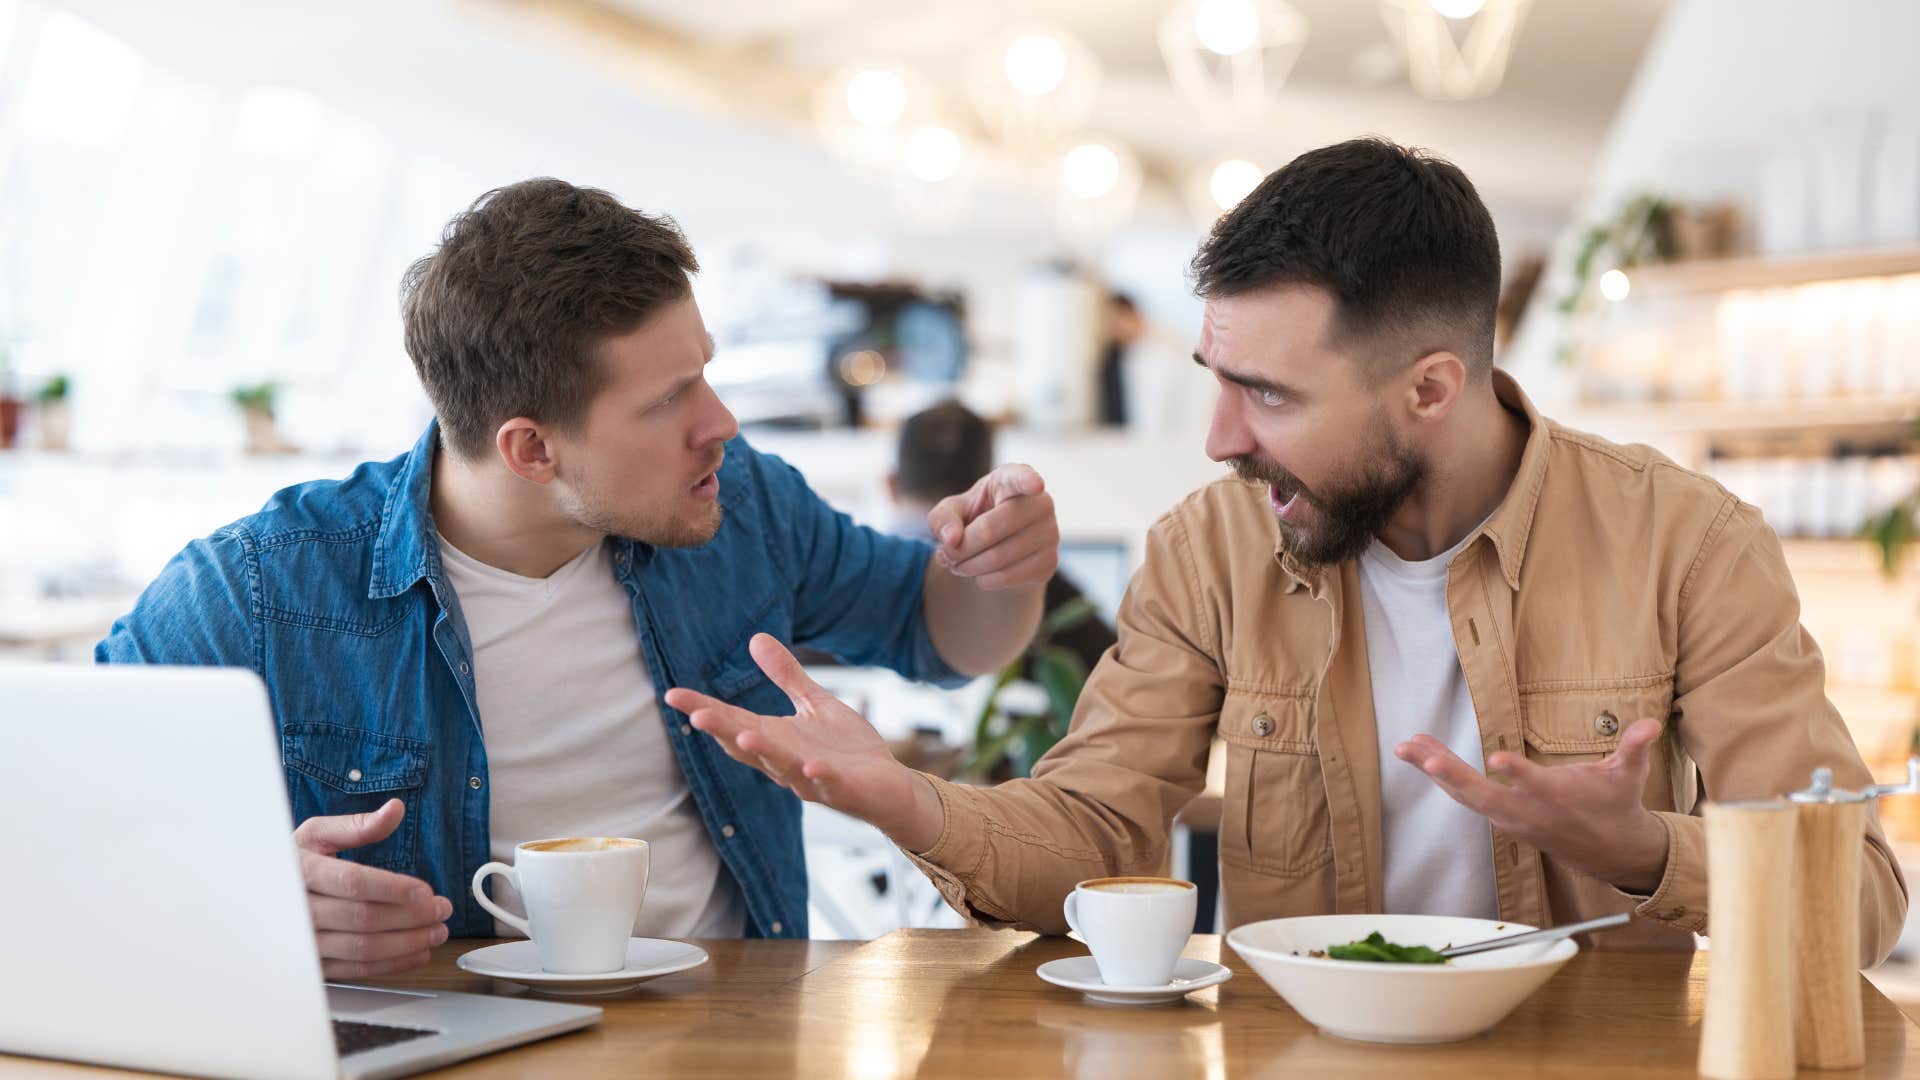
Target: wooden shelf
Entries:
(1762, 271)
(1842, 556)
(1757, 417)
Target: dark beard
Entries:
(1351, 515)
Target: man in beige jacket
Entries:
(1462, 660)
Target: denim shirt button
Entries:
(776, 926)
(473, 782)
(686, 729)
(726, 831)
(464, 669)
(354, 775)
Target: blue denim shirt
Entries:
(334, 594)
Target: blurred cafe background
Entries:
(1709, 210)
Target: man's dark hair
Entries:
(504, 319)
(1399, 237)
(943, 450)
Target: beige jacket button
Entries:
(1607, 724)
(1263, 725)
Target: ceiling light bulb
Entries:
(1036, 64)
(1231, 181)
(1615, 286)
(1457, 9)
(933, 154)
(1226, 27)
(1092, 170)
(877, 98)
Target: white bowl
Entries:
(1397, 1003)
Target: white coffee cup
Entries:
(1135, 926)
(582, 894)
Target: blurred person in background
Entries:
(1122, 327)
(1146, 384)
(464, 646)
(1464, 661)
(944, 451)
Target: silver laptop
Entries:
(152, 913)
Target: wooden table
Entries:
(965, 1003)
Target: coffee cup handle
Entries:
(480, 894)
(1072, 923)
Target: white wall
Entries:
(442, 82)
(1726, 86)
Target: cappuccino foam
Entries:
(584, 843)
(1142, 886)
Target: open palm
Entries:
(825, 753)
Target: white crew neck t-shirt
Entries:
(575, 740)
(1437, 855)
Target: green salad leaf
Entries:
(1376, 949)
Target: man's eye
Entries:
(1271, 398)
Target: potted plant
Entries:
(10, 405)
(1642, 232)
(55, 416)
(1017, 726)
(256, 403)
(1892, 533)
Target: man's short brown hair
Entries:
(1398, 236)
(505, 317)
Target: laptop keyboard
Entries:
(352, 1037)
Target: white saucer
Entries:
(519, 962)
(1082, 974)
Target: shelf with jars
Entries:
(1793, 348)
(1794, 382)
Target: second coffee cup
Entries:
(582, 894)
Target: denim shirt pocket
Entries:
(333, 770)
(735, 678)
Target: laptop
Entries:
(152, 909)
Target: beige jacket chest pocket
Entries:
(1274, 820)
(1568, 723)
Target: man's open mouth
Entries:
(1285, 497)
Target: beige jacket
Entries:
(1609, 585)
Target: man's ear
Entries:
(525, 449)
(1438, 380)
(893, 487)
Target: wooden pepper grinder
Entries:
(1747, 1032)
(1827, 1029)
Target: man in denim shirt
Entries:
(466, 646)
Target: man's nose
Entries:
(1227, 435)
(718, 422)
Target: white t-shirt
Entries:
(575, 742)
(1437, 855)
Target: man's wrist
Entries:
(924, 820)
(1643, 875)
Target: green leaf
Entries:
(1376, 949)
(258, 396)
(1060, 673)
(1891, 532)
(1067, 616)
(987, 753)
(983, 727)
